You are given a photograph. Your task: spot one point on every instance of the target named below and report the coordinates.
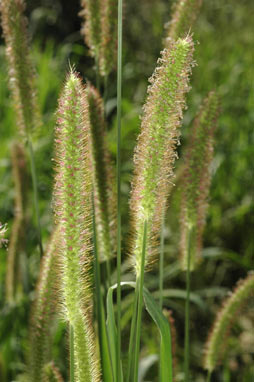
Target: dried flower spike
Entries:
(43, 310)
(225, 319)
(196, 180)
(91, 27)
(17, 231)
(73, 209)
(184, 15)
(103, 179)
(108, 47)
(155, 152)
(21, 70)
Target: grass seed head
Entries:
(155, 153)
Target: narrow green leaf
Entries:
(166, 368)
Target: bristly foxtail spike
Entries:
(43, 310)
(21, 69)
(91, 26)
(184, 14)
(19, 172)
(51, 373)
(73, 211)
(196, 180)
(104, 184)
(156, 149)
(108, 47)
(226, 317)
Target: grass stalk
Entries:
(119, 113)
(139, 290)
(71, 334)
(209, 376)
(35, 193)
(161, 263)
(187, 312)
(132, 337)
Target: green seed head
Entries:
(108, 48)
(156, 149)
(21, 69)
(104, 187)
(196, 180)
(91, 27)
(73, 210)
(44, 309)
(184, 15)
(51, 373)
(225, 319)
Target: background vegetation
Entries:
(224, 54)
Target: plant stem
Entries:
(119, 112)
(187, 312)
(71, 334)
(161, 262)
(132, 336)
(35, 193)
(209, 375)
(139, 290)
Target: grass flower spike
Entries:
(225, 319)
(21, 70)
(17, 231)
(196, 180)
(91, 28)
(52, 373)
(73, 209)
(43, 310)
(184, 15)
(104, 182)
(155, 152)
(108, 48)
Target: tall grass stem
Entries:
(187, 312)
(139, 290)
(161, 262)
(119, 114)
(209, 376)
(71, 334)
(132, 337)
(35, 193)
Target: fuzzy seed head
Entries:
(21, 69)
(225, 319)
(108, 46)
(17, 231)
(3, 230)
(196, 180)
(184, 14)
(104, 187)
(51, 373)
(155, 153)
(44, 309)
(91, 27)
(73, 210)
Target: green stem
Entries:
(139, 289)
(187, 312)
(35, 192)
(132, 336)
(209, 376)
(161, 263)
(119, 112)
(71, 334)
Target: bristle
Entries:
(17, 231)
(196, 180)
(73, 210)
(43, 310)
(184, 14)
(103, 179)
(225, 318)
(91, 27)
(155, 153)
(108, 47)
(21, 69)
(52, 374)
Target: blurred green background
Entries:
(225, 60)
